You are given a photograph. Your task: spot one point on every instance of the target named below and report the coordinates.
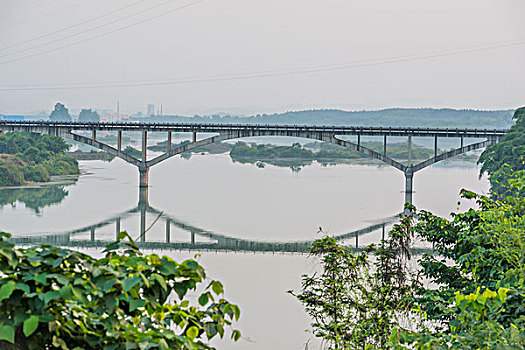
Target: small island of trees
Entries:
(29, 157)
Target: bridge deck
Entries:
(257, 128)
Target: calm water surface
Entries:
(214, 197)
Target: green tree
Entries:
(359, 298)
(510, 151)
(88, 116)
(60, 113)
(54, 298)
(469, 293)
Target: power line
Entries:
(71, 26)
(271, 73)
(91, 29)
(8, 25)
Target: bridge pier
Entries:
(143, 177)
(168, 230)
(119, 141)
(409, 179)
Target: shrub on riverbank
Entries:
(28, 157)
(59, 298)
(468, 294)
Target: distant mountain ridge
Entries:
(414, 117)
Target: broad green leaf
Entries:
(30, 325)
(7, 333)
(236, 335)
(134, 304)
(66, 292)
(163, 345)
(41, 278)
(192, 264)
(108, 284)
(129, 282)
(203, 299)
(192, 332)
(23, 287)
(48, 296)
(111, 301)
(217, 287)
(160, 280)
(6, 290)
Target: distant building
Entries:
(151, 110)
(12, 117)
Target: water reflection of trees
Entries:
(34, 198)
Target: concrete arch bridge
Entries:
(222, 132)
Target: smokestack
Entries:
(118, 107)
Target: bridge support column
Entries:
(143, 197)
(409, 150)
(409, 179)
(117, 227)
(94, 134)
(194, 137)
(169, 141)
(144, 145)
(143, 177)
(119, 141)
(143, 224)
(435, 146)
(168, 230)
(384, 146)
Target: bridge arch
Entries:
(331, 134)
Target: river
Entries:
(219, 198)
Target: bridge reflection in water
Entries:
(199, 239)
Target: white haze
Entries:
(235, 37)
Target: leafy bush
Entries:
(468, 294)
(54, 298)
(37, 157)
(36, 173)
(10, 175)
(510, 151)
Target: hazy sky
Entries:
(255, 56)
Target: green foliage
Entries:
(358, 299)
(10, 175)
(54, 298)
(509, 151)
(468, 294)
(35, 157)
(88, 116)
(60, 113)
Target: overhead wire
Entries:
(269, 73)
(72, 26)
(34, 18)
(94, 28)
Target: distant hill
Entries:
(424, 117)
